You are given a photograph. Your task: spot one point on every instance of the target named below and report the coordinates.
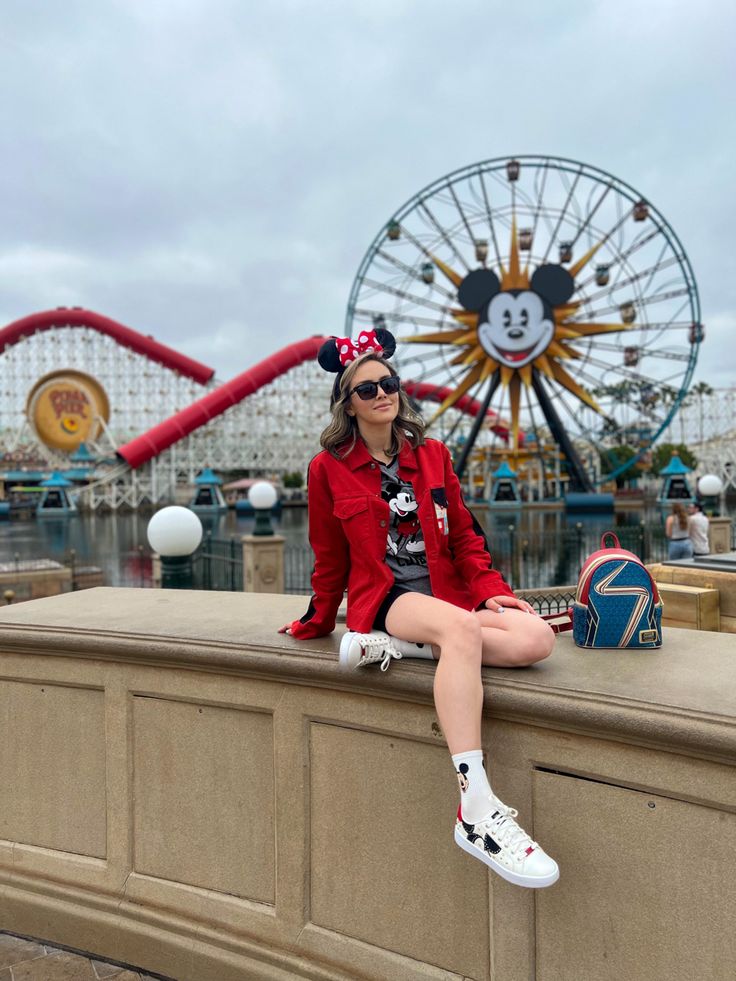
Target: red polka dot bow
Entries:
(348, 349)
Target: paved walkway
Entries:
(32, 960)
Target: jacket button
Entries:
(383, 524)
(373, 466)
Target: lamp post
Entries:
(263, 551)
(262, 497)
(709, 488)
(175, 533)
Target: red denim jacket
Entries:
(348, 522)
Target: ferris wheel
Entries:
(548, 291)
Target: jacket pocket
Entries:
(353, 515)
(348, 507)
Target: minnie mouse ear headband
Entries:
(337, 352)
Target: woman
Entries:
(386, 517)
(676, 530)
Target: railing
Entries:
(218, 564)
(528, 561)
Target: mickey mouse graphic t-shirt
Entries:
(405, 553)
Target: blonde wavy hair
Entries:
(340, 437)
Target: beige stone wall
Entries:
(723, 582)
(183, 788)
(33, 584)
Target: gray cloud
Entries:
(212, 173)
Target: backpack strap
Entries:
(560, 622)
(610, 534)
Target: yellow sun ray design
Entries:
(470, 379)
(441, 337)
(548, 362)
(514, 401)
(468, 357)
(572, 386)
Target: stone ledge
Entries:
(681, 695)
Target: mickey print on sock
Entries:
(462, 778)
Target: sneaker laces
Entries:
(504, 829)
(378, 649)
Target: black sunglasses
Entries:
(369, 390)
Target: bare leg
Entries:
(458, 691)
(514, 639)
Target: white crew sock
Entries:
(475, 791)
(409, 649)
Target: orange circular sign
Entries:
(67, 408)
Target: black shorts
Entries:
(379, 622)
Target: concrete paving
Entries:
(23, 959)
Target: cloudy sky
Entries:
(211, 172)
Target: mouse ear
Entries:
(387, 341)
(477, 288)
(328, 356)
(553, 283)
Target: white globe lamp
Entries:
(710, 485)
(262, 497)
(709, 488)
(175, 532)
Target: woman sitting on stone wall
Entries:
(387, 519)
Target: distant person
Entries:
(676, 530)
(697, 527)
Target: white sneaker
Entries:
(358, 650)
(506, 848)
(409, 649)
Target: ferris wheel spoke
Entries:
(489, 215)
(643, 352)
(405, 295)
(400, 318)
(413, 274)
(645, 275)
(591, 214)
(451, 189)
(537, 205)
(450, 244)
(621, 256)
(563, 212)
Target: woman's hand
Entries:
(285, 629)
(499, 603)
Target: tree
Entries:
(294, 479)
(662, 454)
(613, 457)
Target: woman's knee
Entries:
(462, 635)
(534, 643)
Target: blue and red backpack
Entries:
(617, 603)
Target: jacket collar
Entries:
(359, 457)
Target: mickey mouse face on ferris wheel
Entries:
(515, 326)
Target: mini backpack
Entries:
(617, 603)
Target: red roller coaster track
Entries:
(149, 444)
(77, 317)
(141, 449)
(171, 430)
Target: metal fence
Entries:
(528, 561)
(535, 562)
(218, 564)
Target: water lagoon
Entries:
(533, 548)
